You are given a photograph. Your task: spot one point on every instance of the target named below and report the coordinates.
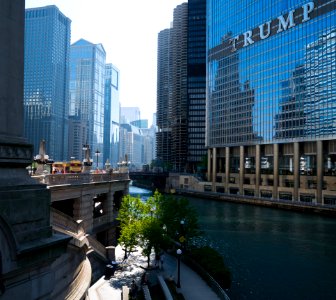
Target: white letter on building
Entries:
(307, 9)
(261, 29)
(247, 38)
(233, 42)
(285, 24)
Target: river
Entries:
(273, 254)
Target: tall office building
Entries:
(196, 66)
(163, 136)
(181, 89)
(179, 100)
(87, 87)
(111, 115)
(46, 77)
(271, 110)
(131, 145)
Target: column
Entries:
(257, 171)
(209, 165)
(296, 171)
(83, 210)
(241, 170)
(319, 177)
(275, 171)
(15, 153)
(214, 169)
(227, 169)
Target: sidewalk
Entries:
(193, 287)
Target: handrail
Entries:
(164, 288)
(207, 277)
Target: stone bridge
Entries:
(85, 207)
(150, 180)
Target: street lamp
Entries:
(97, 154)
(178, 252)
(182, 236)
(87, 161)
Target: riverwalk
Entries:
(193, 287)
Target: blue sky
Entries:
(128, 31)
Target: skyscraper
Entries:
(271, 110)
(178, 96)
(181, 89)
(111, 115)
(163, 136)
(196, 60)
(87, 86)
(46, 77)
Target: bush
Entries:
(212, 262)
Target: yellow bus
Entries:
(60, 167)
(75, 166)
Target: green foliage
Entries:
(172, 211)
(213, 263)
(153, 223)
(131, 214)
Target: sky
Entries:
(128, 31)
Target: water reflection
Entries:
(273, 254)
(139, 192)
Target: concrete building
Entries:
(46, 79)
(163, 136)
(271, 99)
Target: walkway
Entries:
(193, 287)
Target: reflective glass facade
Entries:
(46, 77)
(196, 60)
(87, 85)
(271, 71)
(111, 115)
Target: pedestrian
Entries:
(157, 260)
(162, 260)
(144, 279)
(133, 290)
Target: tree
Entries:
(152, 224)
(172, 211)
(131, 212)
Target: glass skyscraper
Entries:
(87, 86)
(46, 77)
(111, 115)
(196, 67)
(271, 106)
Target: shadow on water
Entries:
(273, 254)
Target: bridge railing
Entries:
(80, 178)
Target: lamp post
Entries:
(182, 236)
(178, 252)
(97, 154)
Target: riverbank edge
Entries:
(279, 204)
